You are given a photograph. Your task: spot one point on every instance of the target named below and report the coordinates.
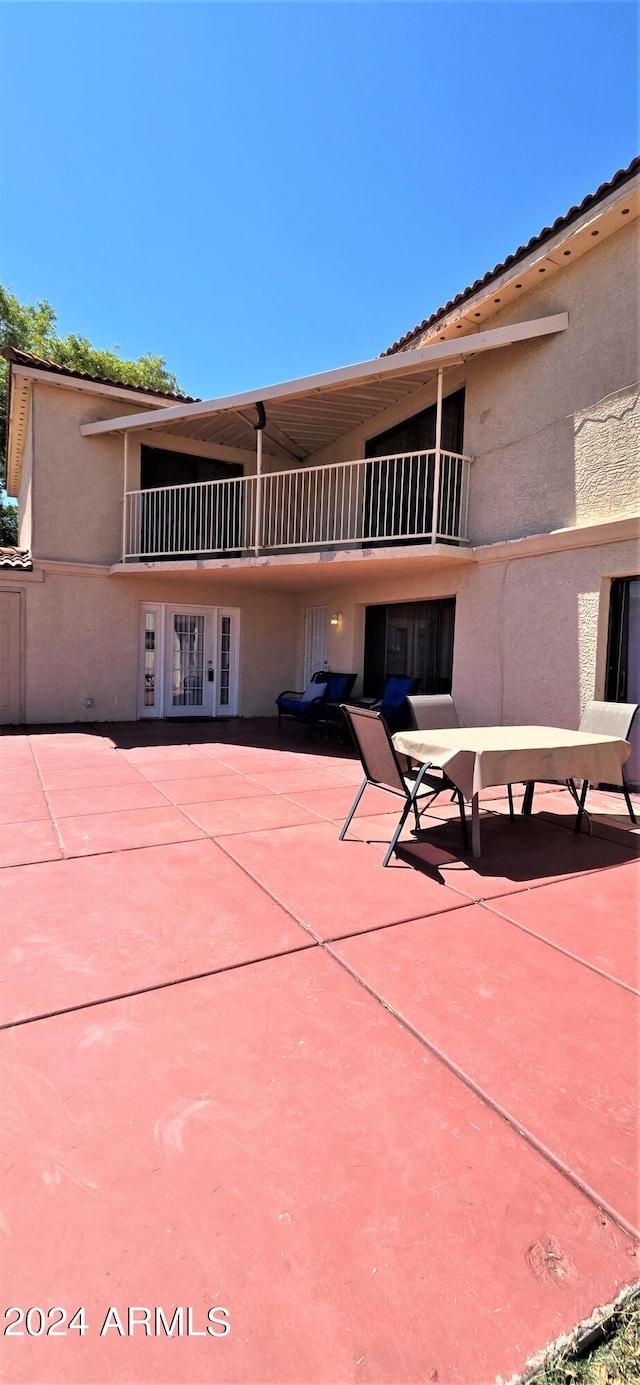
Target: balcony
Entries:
(417, 497)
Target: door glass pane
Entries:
(188, 661)
(225, 660)
(150, 659)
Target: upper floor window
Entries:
(418, 434)
(399, 491)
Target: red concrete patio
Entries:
(387, 1119)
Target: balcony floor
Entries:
(384, 1117)
(302, 571)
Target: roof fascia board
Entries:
(522, 266)
(442, 353)
(17, 429)
(46, 377)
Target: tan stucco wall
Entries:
(83, 641)
(77, 486)
(530, 632)
(552, 423)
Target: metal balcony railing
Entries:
(414, 496)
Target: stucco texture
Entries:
(552, 423)
(83, 642)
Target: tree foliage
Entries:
(32, 327)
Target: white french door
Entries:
(189, 661)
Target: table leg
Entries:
(475, 826)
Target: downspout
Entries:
(259, 427)
(436, 469)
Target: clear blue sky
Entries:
(259, 191)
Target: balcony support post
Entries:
(259, 427)
(124, 496)
(436, 461)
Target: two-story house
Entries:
(462, 508)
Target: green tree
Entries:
(32, 327)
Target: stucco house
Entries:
(462, 508)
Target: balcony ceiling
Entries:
(305, 415)
(298, 427)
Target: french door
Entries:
(188, 661)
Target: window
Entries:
(623, 651)
(413, 638)
(399, 492)
(189, 524)
(623, 659)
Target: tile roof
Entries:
(622, 176)
(17, 558)
(27, 358)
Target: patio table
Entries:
(480, 757)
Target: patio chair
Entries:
(297, 704)
(433, 712)
(323, 690)
(382, 769)
(437, 712)
(598, 719)
(393, 703)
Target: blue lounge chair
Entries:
(393, 705)
(322, 695)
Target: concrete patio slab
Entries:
(516, 855)
(358, 1213)
(594, 917)
(289, 781)
(335, 888)
(108, 798)
(122, 831)
(21, 805)
(250, 812)
(100, 926)
(226, 783)
(502, 1006)
(27, 841)
(204, 1106)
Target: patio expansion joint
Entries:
(157, 986)
(337, 937)
(557, 947)
(501, 1111)
(45, 791)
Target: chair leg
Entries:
(581, 813)
(629, 804)
(510, 797)
(392, 844)
(353, 808)
(527, 802)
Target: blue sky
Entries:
(259, 191)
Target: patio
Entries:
(386, 1118)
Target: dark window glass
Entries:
(184, 526)
(399, 495)
(623, 650)
(413, 638)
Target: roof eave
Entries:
(404, 363)
(515, 267)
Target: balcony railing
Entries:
(415, 496)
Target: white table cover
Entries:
(478, 757)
